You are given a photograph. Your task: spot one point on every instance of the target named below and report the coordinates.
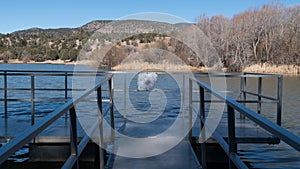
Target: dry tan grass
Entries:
(266, 68)
(159, 67)
(45, 62)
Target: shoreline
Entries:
(275, 69)
(16, 61)
(264, 68)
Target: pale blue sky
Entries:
(24, 14)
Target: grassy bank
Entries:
(158, 67)
(267, 68)
(264, 68)
(16, 61)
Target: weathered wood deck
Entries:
(246, 132)
(180, 156)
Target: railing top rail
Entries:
(52, 74)
(267, 74)
(81, 71)
(245, 74)
(48, 72)
(283, 134)
(54, 71)
(211, 74)
(34, 130)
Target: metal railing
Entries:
(244, 91)
(75, 147)
(66, 74)
(33, 89)
(230, 146)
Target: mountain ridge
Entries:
(37, 44)
(89, 27)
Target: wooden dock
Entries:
(58, 135)
(61, 138)
(59, 131)
(246, 132)
(180, 156)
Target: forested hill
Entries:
(270, 34)
(46, 44)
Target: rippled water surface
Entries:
(279, 156)
(258, 156)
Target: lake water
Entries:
(259, 156)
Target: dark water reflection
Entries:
(280, 156)
(258, 156)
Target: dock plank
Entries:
(246, 131)
(179, 157)
(58, 132)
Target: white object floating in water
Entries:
(146, 81)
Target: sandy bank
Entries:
(267, 68)
(158, 67)
(16, 61)
(264, 68)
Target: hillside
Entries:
(268, 37)
(46, 44)
(38, 45)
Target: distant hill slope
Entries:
(46, 44)
(268, 35)
(64, 43)
(89, 27)
(94, 25)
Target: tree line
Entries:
(270, 34)
(39, 46)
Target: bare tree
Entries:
(270, 34)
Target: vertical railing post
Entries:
(100, 159)
(279, 100)
(32, 100)
(111, 98)
(190, 109)
(73, 136)
(183, 96)
(259, 89)
(125, 90)
(202, 119)
(66, 86)
(243, 93)
(66, 91)
(5, 94)
(202, 105)
(231, 135)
